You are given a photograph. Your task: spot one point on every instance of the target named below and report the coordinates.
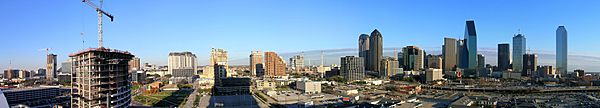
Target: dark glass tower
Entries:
(471, 47)
(375, 51)
(503, 56)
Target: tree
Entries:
(337, 79)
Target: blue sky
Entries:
(152, 29)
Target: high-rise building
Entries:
(519, 47)
(217, 57)
(471, 48)
(256, 58)
(297, 62)
(561, 50)
(11, 73)
(66, 67)
(463, 55)
(450, 54)
(352, 68)
(434, 61)
(375, 51)
(389, 67)
(134, 64)
(40, 72)
(414, 58)
(547, 71)
(480, 61)
(100, 78)
(503, 56)
(182, 63)
(529, 65)
(51, 66)
(400, 60)
(274, 65)
(363, 47)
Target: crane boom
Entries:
(89, 3)
(100, 13)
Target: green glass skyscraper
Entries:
(471, 48)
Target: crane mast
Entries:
(100, 14)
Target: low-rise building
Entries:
(265, 85)
(433, 74)
(309, 87)
(39, 97)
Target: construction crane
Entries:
(45, 49)
(100, 13)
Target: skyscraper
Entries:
(51, 66)
(463, 55)
(376, 50)
(218, 56)
(100, 78)
(519, 47)
(275, 66)
(389, 67)
(529, 65)
(480, 61)
(297, 62)
(503, 56)
(434, 61)
(363, 47)
(449, 53)
(256, 57)
(181, 62)
(414, 58)
(352, 68)
(471, 48)
(561, 50)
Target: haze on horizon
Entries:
(152, 29)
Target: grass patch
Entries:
(163, 99)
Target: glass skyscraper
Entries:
(519, 47)
(375, 51)
(561, 50)
(503, 56)
(471, 48)
(363, 48)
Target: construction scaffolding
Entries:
(100, 78)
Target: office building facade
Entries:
(530, 64)
(375, 51)
(352, 68)
(450, 54)
(363, 47)
(297, 63)
(519, 47)
(503, 56)
(414, 58)
(561, 50)
(51, 66)
(471, 48)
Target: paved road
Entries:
(190, 100)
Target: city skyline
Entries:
(66, 37)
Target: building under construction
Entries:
(100, 78)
